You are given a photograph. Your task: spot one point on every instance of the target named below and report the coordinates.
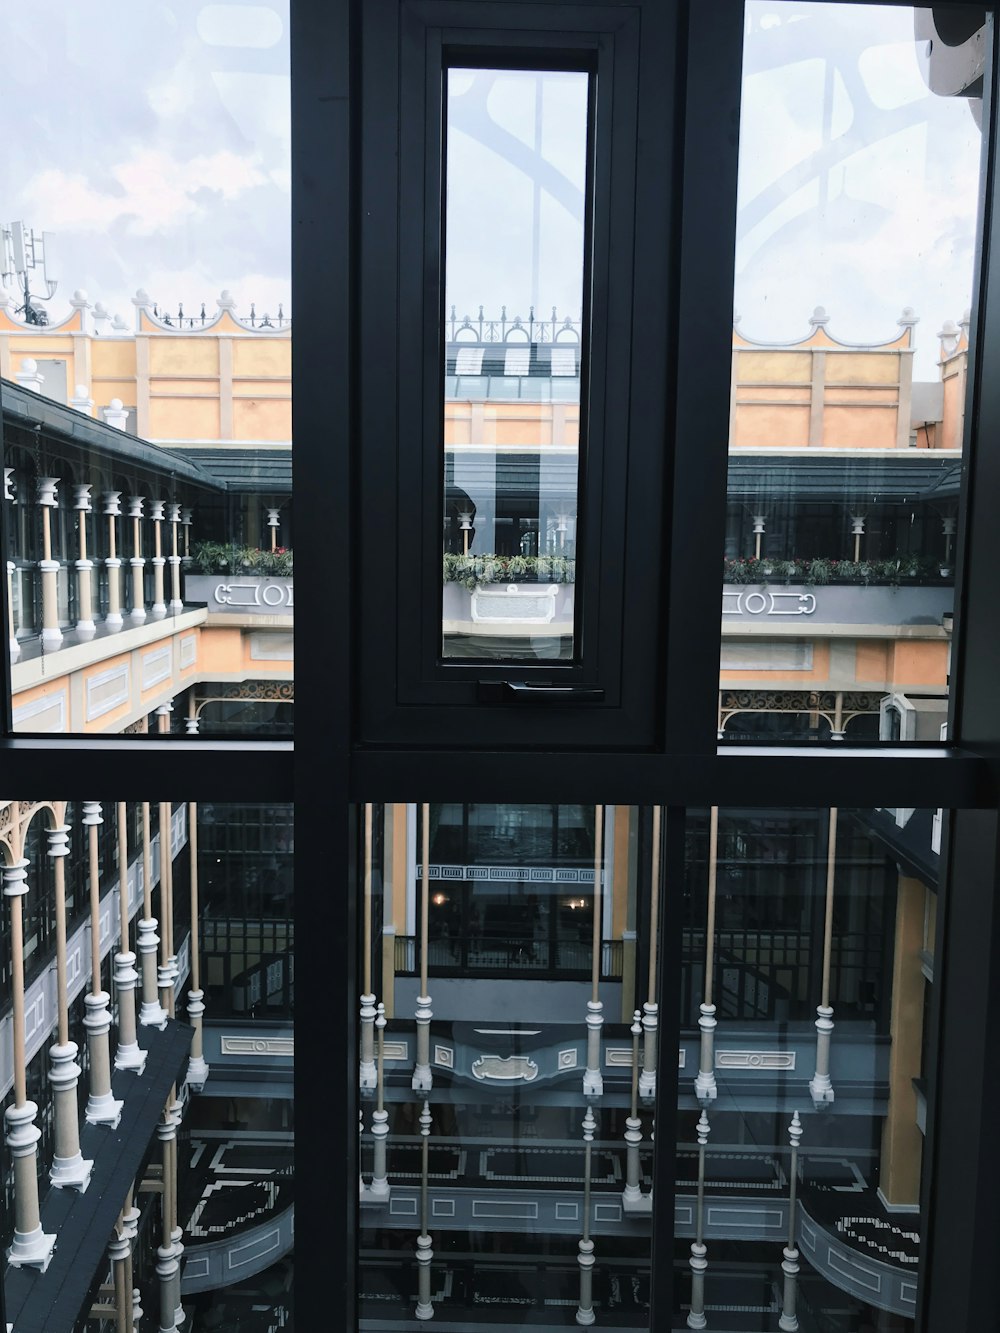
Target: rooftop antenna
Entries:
(24, 251)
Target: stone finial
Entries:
(819, 318)
(82, 401)
(909, 318)
(141, 298)
(115, 414)
(965, 322)
(225, 300)
(79, 300)
(949, 333)
(119, 325)
(29, 376)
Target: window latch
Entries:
(521, 693)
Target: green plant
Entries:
(477, 571)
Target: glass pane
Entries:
(807, 966)
(859, 178)
(145, 346)
(111, 952)
(515, 227)
(506, 1077)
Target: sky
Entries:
(151, 142)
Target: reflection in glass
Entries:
(506, 1132)
(515, 215)
(145, 301)
(808, 956)
(858, 189)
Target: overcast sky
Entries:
(152, 141)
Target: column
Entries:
(820, 1086)
(593, 1081)
(379, 1187)
(138, 612)
(273, 522)
(130, 1230)
(176, 604)
(112, 509)
(167, 971)
(186, 519)
(696, 1316)
(102, 1108)
(857, 532)
(159, 608)
(85, 628)
(119, 1252)
(758, 532)
(191, 721)
(650, 1010)
(704, 1085)
(151, 1012)
(423, 1080)
(585, 1257)
(197, 1070)
(163, 718)
(789, 1322)
(167, 1262)
(368, 1076)
(69, 1170)
(424, 1310)
(31, 1246)
(128, 1055)
(51, 633)
(14, 647)
(633, 1199)
(902, 1141)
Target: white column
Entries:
(163, 717)
(167, 970)
(129, 1054)
(85, 627)
(758, 532)
(197, 1070)
(102, 1108)
(593, 1080)
(191, 721)
(151, 1012)
(174, 560)
(423, 1080)
(14, 647)
(820, 1086)
(368, 1077)
(650, 1010)
(31, 1246)
(159, 608)
(789, 1322)
(585, 1246)
(167, 1261)
(696, 1317)
(138, 613)
(51, 633)
(272, 522)
(119, 1252)
(112, 509)
(633, 1199)
(857, 532)
(424, 1310)
(69, 1169)
(186, 519)
(704, 1085)
(379, 1187)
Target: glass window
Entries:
(858, 198)
(145, 327)
(515, 241)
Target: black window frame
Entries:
(329, 770)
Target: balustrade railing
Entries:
(509, 953)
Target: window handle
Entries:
(523, 694)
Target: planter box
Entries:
(240, 594)
(508, 608)
(835, 604)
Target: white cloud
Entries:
(156, 191)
